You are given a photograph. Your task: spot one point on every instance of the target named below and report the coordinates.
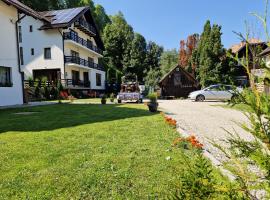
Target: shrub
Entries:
(153, 97)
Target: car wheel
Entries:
(119, 101)
(200, 98)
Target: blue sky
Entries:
(168, 21)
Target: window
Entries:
(32, 51)
(21, 56)
(47, 53)
(98, 79)
(30, 28)
(20, 34)
(5, 77)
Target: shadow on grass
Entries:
(46, 118)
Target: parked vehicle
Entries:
(130, 90)
(215, 92)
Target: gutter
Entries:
(18, 54)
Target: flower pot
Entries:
(103, 101)
(152, 107)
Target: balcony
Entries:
(83, 62)
(70, 83)
(85, 27)
(83, 42)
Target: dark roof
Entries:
(265, 52)
(183, 70)
(62, 18)
(25, 9)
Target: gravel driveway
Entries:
(208, 121)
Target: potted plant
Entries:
(153, 104)
(103, 99)
(112, 97)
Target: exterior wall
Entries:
(93, 79)
(8, 56)
(84, 54)
(38, 40)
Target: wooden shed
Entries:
(177, 83)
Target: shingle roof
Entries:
(25, 9)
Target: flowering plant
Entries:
(187, 142)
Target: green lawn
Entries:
(68, 151)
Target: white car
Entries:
(214, 92)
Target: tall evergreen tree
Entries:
(212, 65)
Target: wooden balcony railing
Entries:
(83, 62)
(83, 42)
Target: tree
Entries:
(209, 58)
(117, 39)
(138, 55)
(169, 59)
(101, 18)
(152, 78)
(153, 56)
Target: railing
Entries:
(83, 42)
(84, 24)
(50, 84)
(83, 62)
(75, 83)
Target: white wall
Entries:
(8, 56)
(93, 79)
(40, 39)
(84, 54)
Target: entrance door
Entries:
(86, 79)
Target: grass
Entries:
(239, 107)
(69, 151)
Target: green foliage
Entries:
(153, 56)
(117, 39)
(212, 64)
(152, 78)
(197, 182)
(168, 60)
(138, 55)
(152, 97)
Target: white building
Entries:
(11, 87)
(62, 44)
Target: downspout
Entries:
(63, 45)
(18, 54)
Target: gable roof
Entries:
(25, 9)
(238, 47)
(172, 70)
(62, 18)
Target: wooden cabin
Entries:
(177, 83)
